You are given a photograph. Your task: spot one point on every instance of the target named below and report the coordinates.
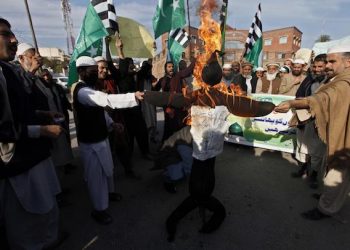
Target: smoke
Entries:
(208, 6)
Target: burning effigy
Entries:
(210, 104)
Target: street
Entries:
(262, 201)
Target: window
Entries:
(234, 45)
(281, 55)
(283, 39)
(267, 42)
(194, 39)
(265, 56)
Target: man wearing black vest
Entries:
(93, 124)
(28, 182)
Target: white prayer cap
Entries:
(99, 58)
(272, 64)
(339, 49)
(289, 59)
(227, 66)
(259, 69)
(23, 47)
(85, 61)
(299, 61)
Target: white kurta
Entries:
(208, 130)
(97, 158)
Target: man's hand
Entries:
(37, 62)
(283, 107)
(118, 127)
(51, 131)
(139, 95)
(118, 42)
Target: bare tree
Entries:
(323, 38)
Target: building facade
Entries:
(279, 44)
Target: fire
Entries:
(209, 32)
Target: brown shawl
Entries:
(330, 106)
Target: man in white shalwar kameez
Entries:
(93, 124)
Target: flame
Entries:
(209, 32)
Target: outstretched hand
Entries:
(139, 95)
(283, 107)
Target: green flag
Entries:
(175, 50)
(89, 42)
(170, 14)
(254, 43)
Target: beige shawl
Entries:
(330, 106)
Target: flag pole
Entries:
(223, 28)
(189, 26)
(31, 26)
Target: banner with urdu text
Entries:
(270, 132)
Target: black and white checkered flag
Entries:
(255, 31)
(180, 36)
(106, 11)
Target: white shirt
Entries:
(91, 97)
(249, 85)
(208, 129)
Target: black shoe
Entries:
(102, 217)
(115, 197)
(170, 187)
(300, 172)
(314, 214)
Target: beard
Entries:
(272, 76)
(296, 73)
(249, 76)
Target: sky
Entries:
(312, 17)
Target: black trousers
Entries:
(201, 186)
(137, 129)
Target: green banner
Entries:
(271, 131)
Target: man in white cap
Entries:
(93, 125)
(271, 82)
(291, 82)
(30, 62)
(259, 72)
(288, 62)
(227, 74)
(330, 107)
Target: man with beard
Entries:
(236, 68)
(173, 117)
(93, 124)
(330, 107)
(28, 182)
(291, 82)
(246, 81)
(310, 142)
(271, 82)
(227, 74)
(61, 151)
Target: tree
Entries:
(323, 38)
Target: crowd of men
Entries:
(110, 114)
